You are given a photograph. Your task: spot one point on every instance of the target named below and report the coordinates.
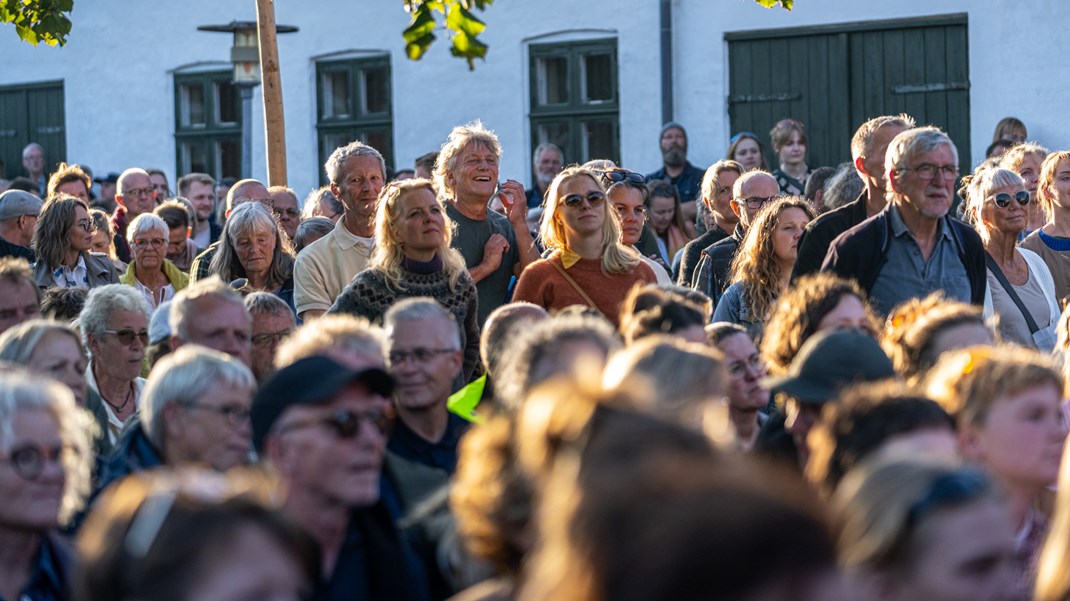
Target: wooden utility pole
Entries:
(274, 122)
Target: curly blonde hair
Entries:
(755, 264)
(914, 326)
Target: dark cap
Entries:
(16, 203)
(310, 381)
(110, 178)
(828, 362)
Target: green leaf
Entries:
(459, 19)
(415, 49)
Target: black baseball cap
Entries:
(309, 381)
(830, 361)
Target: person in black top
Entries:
(717, 196)
(18, 217)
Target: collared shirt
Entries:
(907, 275)
(407, 444)
(45, 583)
(325, 267)
(65, 277)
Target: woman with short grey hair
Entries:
(156, 278)
(253, 247)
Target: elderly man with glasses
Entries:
(135, 194)
(752, 191)
(913, 247)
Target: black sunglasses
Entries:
(127, 336)
(593, 198)
(616, 176)
(1003, 200)
(346, 424)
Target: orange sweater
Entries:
(541, 284)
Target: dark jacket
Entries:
(98, 267)
(118, 225)
(693, 252)
(711, 274)
(860, 253)
(133, 453)
(818, 236)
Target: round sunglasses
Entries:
(1003, 200)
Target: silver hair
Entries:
(541, 148)
(334, 332)
(105, 300)
(266, 303)
(18, 343)
(183, 377)
(459, 139)
(30, 146)
(420, 307)
(145, 223)
(912, 143)
(337, 161)
(310, 230)
(126, 174)
(180, 310)
(313, 200)
(843, 187)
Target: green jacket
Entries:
(175, 275)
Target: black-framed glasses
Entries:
(950, 489)
(345, 424)
(29, 461)
(420, 355)
(291, 213)
(1003, 200)
(757, 202)
(134, 192)
(927, 171)
(236, 415)
(86, 224)
(616, 176)
(127, 336)
(268, 338)
(154, 243)
(593, 198)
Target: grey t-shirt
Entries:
(1012, 324)
(469, 238)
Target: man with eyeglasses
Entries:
(273, 321)
(717, 186)
(425, 357)
(135, 194)
(286, 208)
(869, 145)
(193, 411)
(914, 248)
(752, 191)
(245, 190)
(323, 428)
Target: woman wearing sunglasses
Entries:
(150, 272)
(1020, 287)
(45, 467)
(62, 241)
(589, 265)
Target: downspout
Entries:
(666, 61)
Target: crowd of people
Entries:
(732, 382)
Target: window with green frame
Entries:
(574, 99)
(208, 124)
(354, 102)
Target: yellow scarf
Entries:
(569, 258)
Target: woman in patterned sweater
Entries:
(412, 257)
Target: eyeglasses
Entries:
(739, 369)
(139, 192)
(950, 489)
(927, 171)
(155, 243)
(86, 224)
(236, 415)
(29, 461)
(1003, 200)
(757, 202)
(616, 176)
(594, 199)
(344, 423)
(292, 213)
(420, 355)
(268, 338)
(127, 336)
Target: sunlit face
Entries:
(475, 175)
(722, 196)
(745, 371)
(583, 219)
(1029, 170)
(928, 198)
(18, 303)
(793, 152)
(789, 228)
(1021, 439)
(149, 249)
(548, 165)
(662, 210)
(673, 139)
(33, 159)
(159, 182)
(759, 185)
(202, 196)
(1010, 219)
(362, 180)
(627, 201)
(421, 223)
(255, 249)
(848, 314)
(138, 194)
(269, 330)
(32, 505)
(75, 188)
(250, 565)
(287, 211)
(205, 434)
(176, 242)
(424, 384)
(1060, 187)
(78, 237)
(874, 161)
(60, 356)
(748, 154)
(113, 358)
(222, 325)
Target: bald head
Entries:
(246, 190)
(135, 192)
(752, 185)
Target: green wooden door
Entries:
(32, 113)
(835, 77)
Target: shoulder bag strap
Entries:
(573, 283)
(996, 271)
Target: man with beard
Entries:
(547, 162)
(324, 268)
(677, 170)
(199, 189)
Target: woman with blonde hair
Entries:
(919, 331)
(1026, 159)
(413, 257)
(1020, 287)
(762, 266)
(1052, 241)
(254, 247)
(589, 265)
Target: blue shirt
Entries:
(45, 582)
(906, 274)
(407, 444)
(688, 183)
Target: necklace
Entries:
(119, 409)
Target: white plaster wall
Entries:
(118, 69)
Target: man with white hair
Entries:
(546, 163)
(135, 195)
(212, 314)
(33, 161)
(273, 321)
(913, 248)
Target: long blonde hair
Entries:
(388, 255)
(616, 258)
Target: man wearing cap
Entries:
(18, 217)
(425, 357)
(322, 427)
(828, 362)
(677, 170)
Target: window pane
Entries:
(228, 158)
(334, 139)
(193, 158)
(599, 140)
(335, 92)
(376, 87)
(555, 132)
(597, 78)
(191, 98)
(552, 74)
(379, 139)
(228, 103)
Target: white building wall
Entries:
(118, 70)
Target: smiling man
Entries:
(913, 248)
